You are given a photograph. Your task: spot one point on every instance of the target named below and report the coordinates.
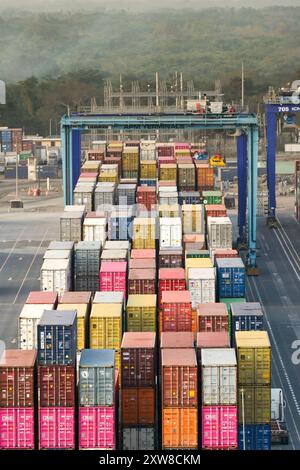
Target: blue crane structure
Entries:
(276, 105)
(245, 125)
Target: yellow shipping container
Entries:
(108, 177)
(141, 313)
(130, 159)
(144, 232)
(169, 210)
(148, 169)
(106, 326)
(82, 322)
(168, 172)
(193, 218)
(197, 263)
(253, 357)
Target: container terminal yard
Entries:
(161, 275)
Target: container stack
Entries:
(30, 316)
(81, 303)
(17, 393)
(170, 279)
(98, 400)
(94, 229)
(83, 193)
(71, 223)
(57, 344)
(219, 399)
(179, 398)
(87, 265)
(104, 196)
(138, 391)
(254, 390)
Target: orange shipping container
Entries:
(138, 406)
(180, 428)
(205, 176)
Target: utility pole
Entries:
(17, 176)
(243, 86)
(157, 88)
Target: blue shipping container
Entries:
(148, 182)
(121, 228)
(10, 172)
(231, 277)
(57, 338)
(6, 137)
(247, 316)
(189, 197)
(257, 437)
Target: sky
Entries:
(133, 5)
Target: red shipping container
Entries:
(170, 279)
(215, 339)
(179, 378)
(205, 177)
(97, 427)
(212, 317)
(76, 298)
(146, 196)
(56, 428)
(219, 427)
(215, 210)
(113, 276)
(97, 155)
(176, 311)
(17, 428)
(17, 378)
(146, 263)
(176, 339)
(56, 386)
(219, 253)
(138, 406)
(138, 357)
(170, 258)
(142, 281)
(164, 150)
(143, 253)
(44, 297)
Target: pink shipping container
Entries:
(57, 428)
(37, 297)
(16, 428)
(219, 427)
(113, 276)
(97, 427)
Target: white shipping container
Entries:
(219, 376)
(168, 198)
(147, 150)
(79, 208)
(56, 275)
(167, 189)
(216, 107)
(193, 223)
(57, 254)
(202, 285)
(170, 232)
(292, 148)
(117, 245)
(94, 229)
(27, 325)
(219, 232)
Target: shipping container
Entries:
(120, 223)
(71, 226)
(142, 254)
(94, 229)
(219, 427)
(246, 316)
(114, 255)
(186, 176)
(57, 338)
(170, 279)
(27, 323)
(146, 263)
(201, 284)
(221, 253)
(97, 378)
(142, 281)
(104, 195)
(106, 326)
(147, 150)
(170, 232)
(193, 219)
(144, 232)
(97, 428)
(212, 317)
(141, 313)
(254, 404)
(196, 263)
(189, 197)
(179, 378)
(214, 339)
(138, 359)
(168, 172)
(82, 315)
(231, 277)
(176, 340)
(57, 254)
(146, 196)
(126, 194)
(83, 193)
(17, 428)
(138, 438)
(179, 428)
(61, 245)
(254, 437)
(56, 386)
(219, 231)
(212, 197)
(113, 276)
(109, 297)
(83, 298)
(254, 357)
(215, 210)
(57, 428)
(148, 170)
(17, 370)
(165, 210)
(56, 275)
(176, 312)
(138, 406)
(117, 245)
(205, 177)
(218, 376)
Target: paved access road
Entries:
(278, 290)
(24, 237)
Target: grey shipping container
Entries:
(84, 194)
(104, 195)
(47, 171)
(60, 245)
(126, 194)
(97, 377)
(90, 283)
(189, 197)
(137, 438)
(57, 337)
(87, 258)
(120, 225)
(71, 226)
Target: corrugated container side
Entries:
(138, 438)
(138, 406)
(17, 428)
(219, 427)
(57, 428)
(97, 428)
(179, 428)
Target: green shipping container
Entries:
(256, 403)
(197, 254)
(212, 197)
